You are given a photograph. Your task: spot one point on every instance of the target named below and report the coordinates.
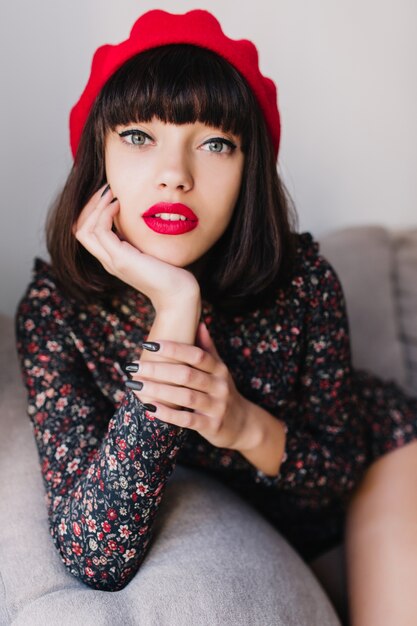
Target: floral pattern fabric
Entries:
(105, 461)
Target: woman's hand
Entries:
(199, 383)
(159, 281)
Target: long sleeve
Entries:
(318, 460)
(104, 467)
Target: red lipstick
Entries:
(158, 218)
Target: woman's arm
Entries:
(104, 470)
(325, 439)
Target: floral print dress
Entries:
(105, 461)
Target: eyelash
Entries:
(136, 133)
(141, 133)
(225, 142)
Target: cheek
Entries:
(221, 178)
(121, 185)
(127, 222)
(128, 177)
(229, 187)
(236, 178)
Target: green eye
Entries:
(135, 137)
(220, 145)
(216, 146)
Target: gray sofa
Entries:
(214, 560)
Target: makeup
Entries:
(136, 385)
(170, 219)
(105, 191)
(153, 346)
(131, 368)
(150, 407)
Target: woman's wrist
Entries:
(263, 440)
(177, 322)
(184, 296)
(183, 302)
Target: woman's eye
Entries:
(220, 145)
(135, 137)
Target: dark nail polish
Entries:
(150, 407)
(136, 385)
(151, 345)
(106, 190)
(114, 200)
(131, 367)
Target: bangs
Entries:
(177, 84)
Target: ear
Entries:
(204, 340)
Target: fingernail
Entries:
(131, 367)
(114, 200)
(151, 345)
(150, 407)
(136, 385)
(105, 191)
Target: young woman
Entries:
(183, 318)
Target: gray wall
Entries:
(347, 81)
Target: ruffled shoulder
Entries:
(315, 274)
(307, 244)
(42, 271)
(307, 254)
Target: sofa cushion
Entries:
(363, 257)
(405, 248)
(213, 559)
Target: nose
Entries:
(174, 171)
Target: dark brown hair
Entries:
(182, 84)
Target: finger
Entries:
(180, 396)
(106, 215)
(96, 200)
(102, 243)
(205, 341)
(191, 355)
(176, 374)
(103, 228)
(119, 250)
(90, 242)
(99, 216)
(178, 417)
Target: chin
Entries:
(176, 260)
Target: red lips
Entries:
(170, 227)
(168, 207)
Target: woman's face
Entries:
(185, 178)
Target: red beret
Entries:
(158, 28)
